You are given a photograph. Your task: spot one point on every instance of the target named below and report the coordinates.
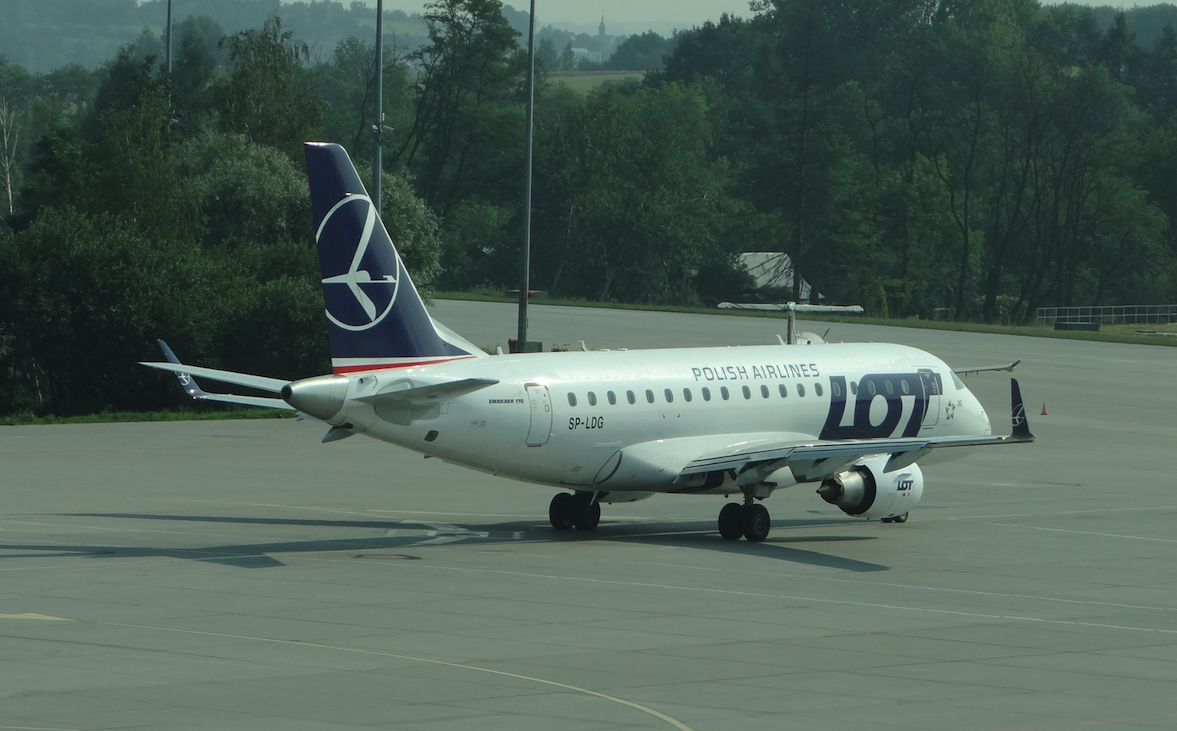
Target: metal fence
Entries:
(1111, 315)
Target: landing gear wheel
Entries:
(896, 519)
(588, 517)
(562, 511)
(756, 522)
(731, 521)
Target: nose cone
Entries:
(321, 397)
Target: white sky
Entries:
(634, 16)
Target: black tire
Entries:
(899, 518)
(757, 523)
(731, 521)
(588, 517)
(562, 511)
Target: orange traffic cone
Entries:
(1044, 409)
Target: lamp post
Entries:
(525, 287)
(168, 43)
(378, 127)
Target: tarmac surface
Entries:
(240, 575)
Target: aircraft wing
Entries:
(982, 369)
(185, 375)
(818, 459)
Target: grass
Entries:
(586, 81)
(118, 417)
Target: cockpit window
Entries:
(957, 382)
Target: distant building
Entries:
(773, 270)
(583, 53)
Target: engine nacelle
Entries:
(866, 491)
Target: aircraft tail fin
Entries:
(1019, 422)
(375, 318)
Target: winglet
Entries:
(187, 382)
(1021, 425)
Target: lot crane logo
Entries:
(364, 274)
(1019, 415)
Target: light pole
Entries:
(525, 288)
(378, 127)
(168, 43)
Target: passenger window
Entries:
(686, 394)
(890, 388)
(724, 392)
(854, 388)
(612, 398)
(817, 388)
(747, 392)
(706, 394)
(592, 399)
(669, 396)
(835, 388)
(904, 387)
(630, 397)
(784, 391)
(571, 399)
(764, 391)
(649, 396)
(800, 390)
(870, 386)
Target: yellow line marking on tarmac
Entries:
(503, 673)
(32, 615)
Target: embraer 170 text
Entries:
(617, 426)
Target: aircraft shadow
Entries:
(694, 535)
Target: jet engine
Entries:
(866, 491)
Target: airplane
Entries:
(605, 427)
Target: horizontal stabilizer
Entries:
(987, 369)
(230, 398)
(273, 385)
(434, 392)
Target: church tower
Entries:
(602, 27)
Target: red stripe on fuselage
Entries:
(343, 370)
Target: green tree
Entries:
(642, 52)
(197, 59)
(269, 94)
(85, 298)
(466, 130)
(629, 203)
(247, 194)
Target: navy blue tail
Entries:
(375, 318)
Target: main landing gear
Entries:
(750, 520)
(578, 511)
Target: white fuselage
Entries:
(567, 419)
